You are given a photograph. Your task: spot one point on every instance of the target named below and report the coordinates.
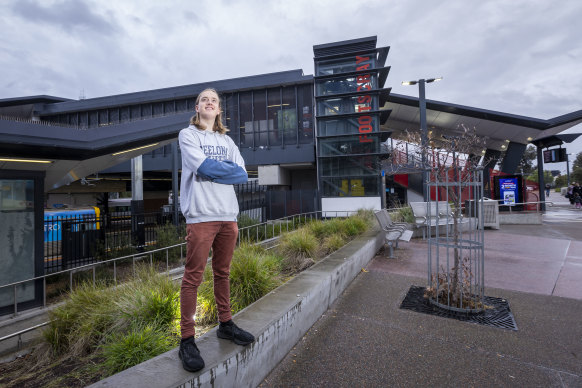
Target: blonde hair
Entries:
(218, 126)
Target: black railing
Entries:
(72, 240)
(75, 240)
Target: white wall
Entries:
(345, 205)
(273, 175)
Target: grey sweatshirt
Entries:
(211, 164)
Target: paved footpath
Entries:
(366, 340)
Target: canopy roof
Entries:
(497, 128)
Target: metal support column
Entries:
(137, 207)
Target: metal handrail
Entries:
(141, 255)
(537, 203)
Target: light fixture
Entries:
(135, 149)
(424, 141)
(26, 160)
(272, 106)
(530, 138)
(428, 81)
(503, 146)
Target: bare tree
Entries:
(454, 160)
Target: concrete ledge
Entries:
(520, 218)
(278, 321)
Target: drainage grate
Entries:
(499, 316)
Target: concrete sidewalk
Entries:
(365, 339)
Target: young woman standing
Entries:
(211, 164)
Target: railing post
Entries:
(15, 302)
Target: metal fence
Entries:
(78, 239)
(72, 240)
(263, 233)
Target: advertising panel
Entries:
(508, 191)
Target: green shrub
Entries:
(253, 273)
(150, 299)
(80, 323)
(140, 344)
(367, 215)
(403, 214)
(353, 226)
(298, 244)
(168, 235)
(321, 229)
(94, 313)
(333, 243)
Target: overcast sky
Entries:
(516, 56)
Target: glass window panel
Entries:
(73, 117)
(345, 65)
(305, 100)
(103, 119)
(158, 108)
(169, 107)
(93, 118)
(83, 119)
(287, 121)
(350, 166)
(349, 104)
(16, 239)
(124, 114)
(351, 84)
(114, 116)
(274, 111)
(146, 110)
(260, 124)
(362, 124)
(351, 186)
(181, 105)
(135, 112)
(246, 123)
(231, 112)
(348, 145)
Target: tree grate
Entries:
(499, 316)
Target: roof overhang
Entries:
(497, 128)
(73, 154)
(556, 140)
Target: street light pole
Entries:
(423, 138)
(568, 169)
(423, 130)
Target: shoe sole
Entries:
(236, 341)
(189, 369)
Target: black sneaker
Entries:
(230, 331)
(190, 355)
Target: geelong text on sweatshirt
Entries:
(211, 164)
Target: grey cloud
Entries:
(66, 14)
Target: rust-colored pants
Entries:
(221, 236)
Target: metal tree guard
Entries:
(456, 245)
